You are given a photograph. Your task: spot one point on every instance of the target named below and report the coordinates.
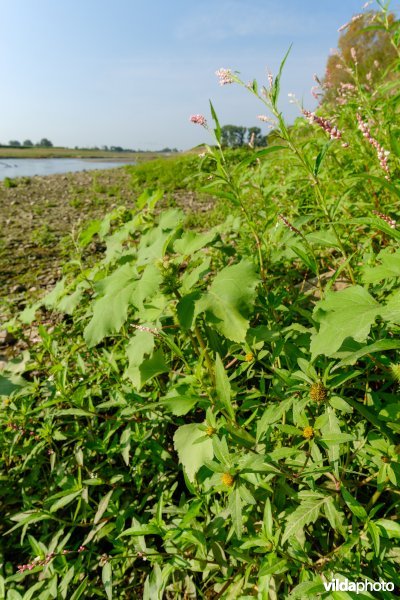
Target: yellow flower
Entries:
(249, 357)
(308, 432)
(318, 392)
(227, 479)
(210, 430)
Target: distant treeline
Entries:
(45, 143)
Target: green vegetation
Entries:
(214, 411)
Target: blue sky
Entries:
(131, 72)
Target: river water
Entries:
(28, 167)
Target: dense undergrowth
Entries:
(217, 415)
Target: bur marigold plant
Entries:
(145, 452)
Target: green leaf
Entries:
(192, 241)
(217, 129)
(229, 300)
(235, 507)
(104, 502)
(320, 157)
(180, 405)
(356, 508)
(110, 312)
(389, 268)
(106, 577)
(348, 313)
(307, 512)
(193, 448)
(374, 532)
(11, 384)
(185, 309)
(223, 387)
(388, 529)
(380, 346)
(125, 443)
(141, 343)
(333, 515)
(61, 502)
(155, 365)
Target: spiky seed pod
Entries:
(308, 432)
(318, 392)
(227, 479)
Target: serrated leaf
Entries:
(307, 512)
(389, 268)
(229, 300)
(347, 313)
(193, 448)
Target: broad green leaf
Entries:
(193, 448)
(229, 300)
(347, 313)
(223, 387)
(389, 268)
(155, 365)
(140, 344)
(331, 427)
(110, 312)
(185, 309)
(307, 512)
(10, 384)
(192, 241)
(279, 566)
(106, 577)
(180, 405)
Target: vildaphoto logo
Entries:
(345, 585)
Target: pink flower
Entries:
(199, 120)
(333, 131)
(224, 76)
(380, 151)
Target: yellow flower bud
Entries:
(308, 432)
(227, 479)
(318, 392)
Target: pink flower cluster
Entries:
(41, 562)
(199, 120)
(391, 222)
(289, 225)
(224, 76)
(23, 431)
(381, 152)
(332, 130)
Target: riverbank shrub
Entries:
(216, 415)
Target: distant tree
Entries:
(233, 135)
(105, 148)
(27, 143)
(365, 48)
(14, 143)
(44, 143)
(116, 149)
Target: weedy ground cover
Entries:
(217, 414)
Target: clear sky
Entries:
(131, 72)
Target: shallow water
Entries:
(28, 167)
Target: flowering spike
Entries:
(224, 76)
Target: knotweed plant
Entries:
(214, 412)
